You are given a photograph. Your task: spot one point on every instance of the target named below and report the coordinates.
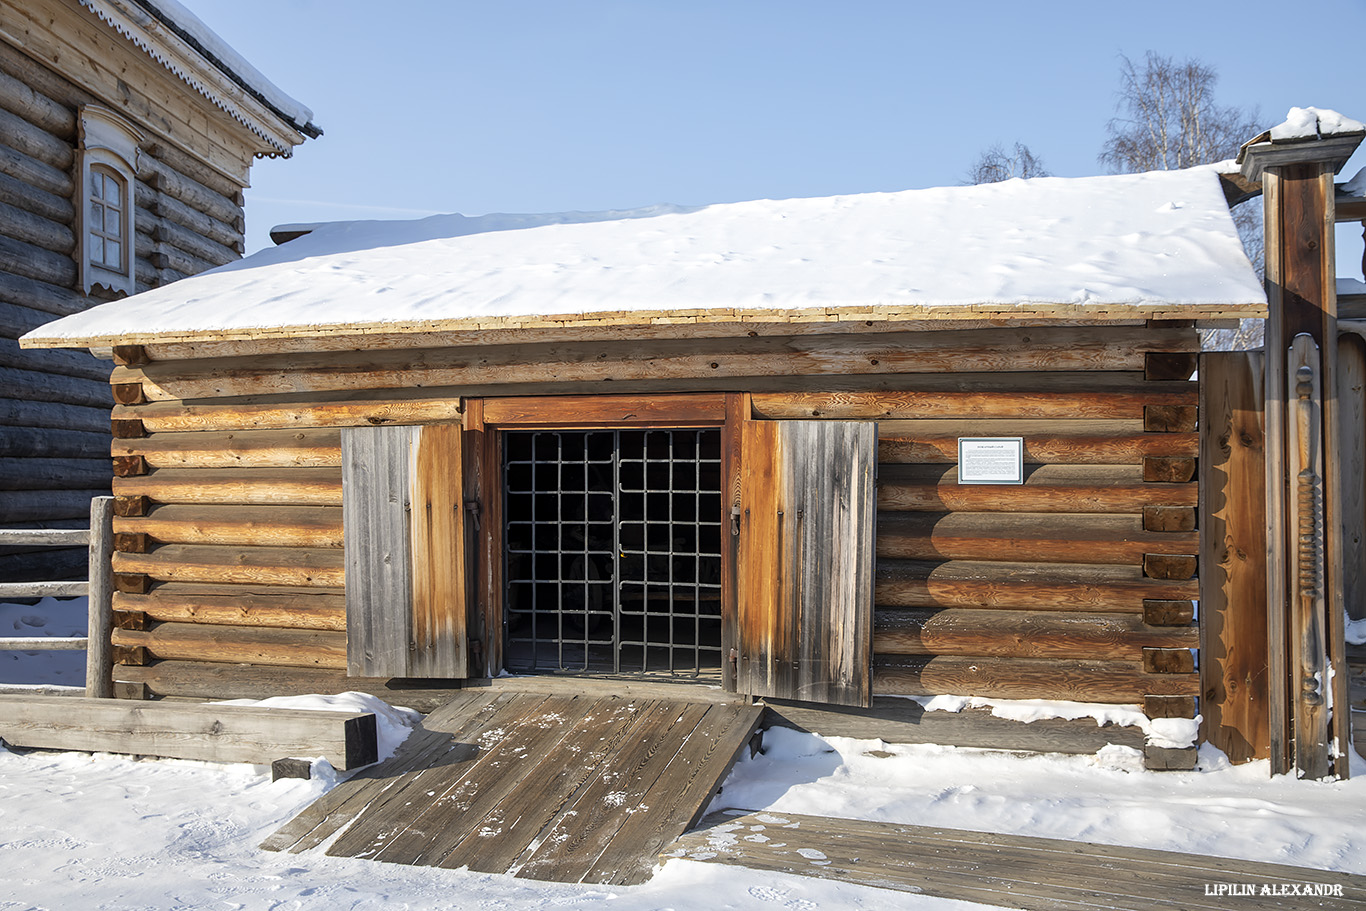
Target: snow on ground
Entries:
(51, 617)
(109, 832)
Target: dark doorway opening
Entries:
(612, 551)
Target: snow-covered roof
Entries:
(1313, 123)
(1156, 244)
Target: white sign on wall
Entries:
(991, 460)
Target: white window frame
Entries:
(107, 142)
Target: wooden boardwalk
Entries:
(1034, 874)
(570, 788)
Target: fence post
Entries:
(99, 665)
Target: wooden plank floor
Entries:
(570, 788)
(1034, 874)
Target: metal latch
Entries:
(472, 507)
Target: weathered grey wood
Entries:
(1036, 874)
(43, 643)
(43, 589)
(44, 442)
(28, 102)
(40, 689)
(22, 505)
(54, 300)
(99, 683)
(48, 563)
(806, 563)
(65, 363)
(44, 536)
(29, 170)
(180, 176)
(36, 201)
(36, 229)
(55, 474)
(897, 720)
(54, 387)
(24, 413)
(216, 733)
(34, 262)
(1351, 382)
(36, 142)
(405, 580)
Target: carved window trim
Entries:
(109, 149)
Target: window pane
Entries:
(96, 216)
(96, 185)
(96, 248)
(111, 190)
(112, 256)
(111, 222)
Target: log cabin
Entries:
(841, 454)
(127, 134)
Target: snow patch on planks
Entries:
(567, 788)
(1034, 874)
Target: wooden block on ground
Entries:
(1166, 759)
(215, 733)
(1169, 706)
(291, 768)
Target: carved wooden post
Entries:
(1304, 539)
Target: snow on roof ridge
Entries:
(1314, 123)
(1073, 246)
(133, 19)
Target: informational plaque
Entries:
(991, 460)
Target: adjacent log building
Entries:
(127, 132)
(723, 445)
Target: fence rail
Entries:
(98, 588)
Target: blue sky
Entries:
(521, 106)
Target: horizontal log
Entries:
(38, 230)
(43, 442)
(15, 320)
(24, 100)
(186, 227)
(37, 201)
(163, 257)
(1047, 488)
(31, 261)
(44, 589)
(1008, 402)
(49, 563)
(1023, 538)
(895, 720)
(291, 566)
(1104, 348)
(245, 449)
(24, 505)
(35, 142)
(238, 486)
(77, 364)
(27, 169)
(1022, 586)
(48, 298)
(55, 474)
(26, 413)
(225, 605)
(1115, 682)
(178, 175)
(237, 644)
(1023, 634)
(250, 526)
(907, 444)
(215, 733)
(205, 680)
(181, 417)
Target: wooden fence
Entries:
(98, 588)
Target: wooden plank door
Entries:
(402, 509)
(805, 587)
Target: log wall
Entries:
(1075, 585)
(54, 405)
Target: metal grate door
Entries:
(612, 550)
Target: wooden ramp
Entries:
(1010, 871)
(554, 787)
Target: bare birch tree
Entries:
(995, 164)
(1167, 119)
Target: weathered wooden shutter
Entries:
(805, 606)
(405, 551)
